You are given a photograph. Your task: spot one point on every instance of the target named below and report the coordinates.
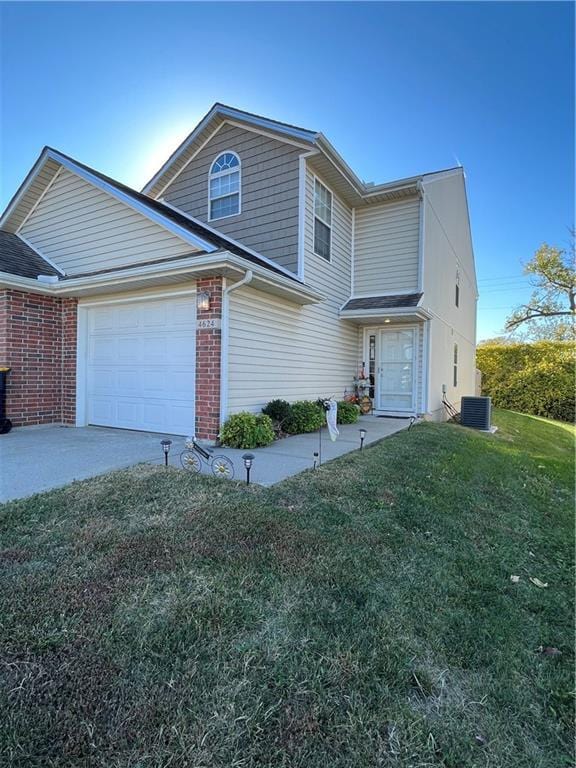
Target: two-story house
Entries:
(254, 265)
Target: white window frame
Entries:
(220, 174)
(455, 363)
(457, 290)
(314, 216)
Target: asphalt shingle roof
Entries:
(17, 258)
(384, 302)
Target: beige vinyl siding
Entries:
(448, 251)
(83, 229)
(268, 220)
(386, 245)
(277, 349)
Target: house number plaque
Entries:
(210, 324)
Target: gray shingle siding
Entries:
(268, 221)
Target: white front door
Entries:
(141, 363)
(396, 370)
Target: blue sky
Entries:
(399, 89)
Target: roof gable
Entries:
(193, 235)
(210, 123)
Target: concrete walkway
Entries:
(35, 459)
(292, 455)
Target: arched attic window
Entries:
(224, 186)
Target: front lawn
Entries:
(359, 616)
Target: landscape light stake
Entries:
(362, 436)
(248, 459)
(166, 448)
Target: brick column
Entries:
(69, 339)
(32, 347)
(208, 350)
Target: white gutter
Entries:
(221, 261)
(224, 341)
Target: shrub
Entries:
(347, 412)
(247, 430)
(278, 410)
(304, 416)
(531, 378)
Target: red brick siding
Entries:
(208, 347)
(69, 347)
(37, 343)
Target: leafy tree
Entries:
(554, 298)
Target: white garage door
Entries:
(141, 364)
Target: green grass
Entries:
(358, 616)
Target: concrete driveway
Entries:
(35, 459)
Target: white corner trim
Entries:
(353, 252)
(301, 214)
(131, 202)
(421, 236)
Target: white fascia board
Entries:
(33, 172)
(222, 260)
(149, 213)
(264, 122)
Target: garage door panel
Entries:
(143, 379)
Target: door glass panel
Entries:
(396, 370)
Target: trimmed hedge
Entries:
(347, 412)
(531, 378)
(247, 430)
(304, 416)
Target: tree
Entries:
(553, 302)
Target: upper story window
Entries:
(224, 186)
(322, 220)
(457, 290)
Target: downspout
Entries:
(224, 341)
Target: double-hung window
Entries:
(224, 186)
(322, 220)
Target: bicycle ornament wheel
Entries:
(190, 461)
(222, 467)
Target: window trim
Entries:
(457, 290)
(220, 174)
(455, 366)
(316, 180)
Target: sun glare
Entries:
(154, 153)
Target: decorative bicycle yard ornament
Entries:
(195, 454)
